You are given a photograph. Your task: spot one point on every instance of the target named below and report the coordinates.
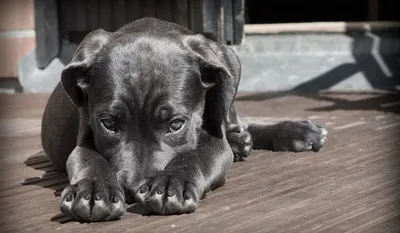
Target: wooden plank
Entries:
(163, 10)
(132, 10)
(196, 15)
(119, 17)
(66, 18)
(81, 11)
(147, 8)
(320, 27)
(93, 15)
(180, 12)
(47, 33)
(106, 15)
(212, 18)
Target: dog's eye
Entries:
(176, 124)
(108, 124)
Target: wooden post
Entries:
(228, 22)
(47, 33)
(212, 22)
(224, 20)
(238, 16)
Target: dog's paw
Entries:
(92, 200)
(298, 136)
(240, 141)
(167, 193)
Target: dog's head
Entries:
(151, 94)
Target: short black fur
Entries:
(146, 114)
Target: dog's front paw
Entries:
(168, 193)
(92, 200)
(240, 141)
(299, 136)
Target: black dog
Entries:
(146, 114)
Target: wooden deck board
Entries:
(351, 185)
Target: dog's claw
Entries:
(169, 194)
(85, 201)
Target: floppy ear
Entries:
(74, 78)
(220, 73)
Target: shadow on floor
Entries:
(57, 181)
(51, 179)
(383, 102)
(388, 103)
(375, 56)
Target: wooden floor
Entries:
(351, 185)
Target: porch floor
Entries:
(351, 185)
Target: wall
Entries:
(17, 35)
(309, 62)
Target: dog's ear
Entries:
(74, 77)
(220, 73)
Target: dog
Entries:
(145, 114)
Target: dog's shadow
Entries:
(51, 179)
(55, 180)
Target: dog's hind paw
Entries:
(92, 200)
(298, 136)
(240, 141)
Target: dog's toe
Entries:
(324, 132)
(240, 141)
(168, 194)
(92, 201)
(318, 145)
(299, 136)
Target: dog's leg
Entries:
(238, 137)
(187, 178)
(93, 193)
(296, 136)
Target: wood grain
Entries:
(351, 185)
